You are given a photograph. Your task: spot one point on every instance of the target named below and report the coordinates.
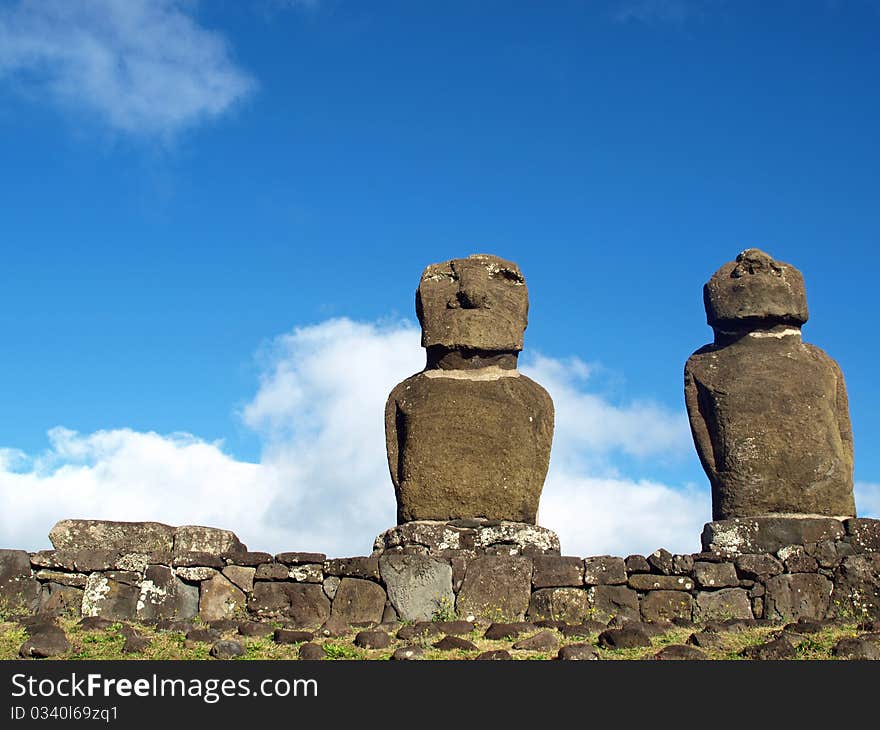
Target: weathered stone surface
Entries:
(293, 558)
(330, 586)
(18, 589)
(706, 639)
(307, 573)
(454, 643)
(44, 644)
(112, 594)
(272, 571)
(797, 595)
(863, 534)
(95, 623)
(312, 652)
(682, 564)
(418, 586)
(780, 648)
(303, 603)
(220, 598)
(582, 630)
(468, 447)
(455, 628)
(828, 553)
(77, 580)
(625, 638)
(334, 627)
(649, 582)
(199, 539)
(501, 630)
(542, 641)
(605, 570)
(578, 652)
(289, 636)
(857, 587)
(135, 644)
(372, 640)
(254, 628)
(227, 649)
(358, 601)
(768, 534)
(496, 587)
(571, 605)
(458, 539)
(242, 577)
(137, 562)
(854, 648)
(661, 561)
(57, 599)
(551, 571)
(408, 653)
(768, 412)
(679, 652)
(107, 535)
(195, 575)
(666, 605)
(724, 604)
(796, 560)
(197, 560)
(609, 601)
(359, 567)
(249, 559)
(637, 564)
(493, 655)
(757, 567)
(419, 630)
(715, 575)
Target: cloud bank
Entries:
(322, 481)
(142, 66)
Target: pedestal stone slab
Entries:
(768, 534)
(419, 586)
(467, 538)
(496, 587)
(145, 537)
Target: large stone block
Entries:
(57, 599)
(856, 594)
(496, 587)
(768, 534)
(212, 540)
(724, 604)
(112, 594)
(604, 570)
(18, 588)
(107, 535)
(219, 598)
(419, 587)
(304, 604)
(468, 537)
(863, 534)
(608, 601)
(797, 595)
(552, 571)
(164, 595)
(666, 605)
(358, 601)
(715, 575)
(571, 605)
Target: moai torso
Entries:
(768, 412)
(470, 436)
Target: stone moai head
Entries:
(478, 303)
(755, 291)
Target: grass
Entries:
(108, 644)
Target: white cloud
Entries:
(867, 499)
(144, 66)
(322, 482)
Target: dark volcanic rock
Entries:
(578, 652)
(312, 652)
(607, 602)
(205, 636)
(780, 648)
(420, 630)
(715, 575)
(49, 642)
(496, 586)
(304, 603)
(95, 623)
(863, 534)
(637, 564)
(666, 605)
(605, 570)
(726, 603)
(372, 640)
(494, 655)
(587, 628)
(857, 586)
(554, 571)
(18, 589)
(661, 561)
(570, 605)
(289, 636)
(679, 652)
(797, 595)
(359, 601)
(706, 640)
(757, 566)
(449, 643)
(625, 638)
(255, 628)
(227, 649)
(759, 384)
(507, 630)
(408, 653)
(542, 641)
(853, 648)
(135, 644)
(358, 567)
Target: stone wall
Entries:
(204, 572)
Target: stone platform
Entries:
(768, 534)
(468, 537)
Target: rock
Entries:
(828, 553)
(204, 636)
(135, 644)
(330, 586)
(863, 534)
(57, 599)
(768, 534)
(723, 604)
(494, 655)
(587, 628)
(469, 436)
(773, 650)
(661, 561)
(300, 558)
(198, 539)
(706, 640)
(609, 601)
(625, 638)
(224, 624)
(288, 636)
(542, 641)
(507, 630)
(679, 652)
(683, 623)
(797, 595)
(95, 623)
(195, 575)
(310, 573)
(651, 628)
(254, 628)
(715, 575)
(796, 560)
(408, 653)
(164, 595)
(578, 652)
(805, 626)
(241, 577)
(759, 384)
(647, 582)
(219, 598)
(448, 538)
(359, 601)
(227, 649)
(272, 571)
(857, 587)
(334, 627)
(852, 648)
(250, 559)
(197, 560)
(757, 567)
(637, 564)
(303, 603)
(18, 589)
(666, 605)
(455, 628)
(419, 630)
(496, 587)
(682, 564)
(454, 643)
(112, 594)
(312, 652)
(144, 537)
(372, 640)
(418, 586)
(359, 567)
(552, 571)
(571, 605)
(178, 626)
(605, 570)
(47, 643)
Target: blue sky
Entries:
(210, 208)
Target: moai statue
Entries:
(469, 436)
(768, 412)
